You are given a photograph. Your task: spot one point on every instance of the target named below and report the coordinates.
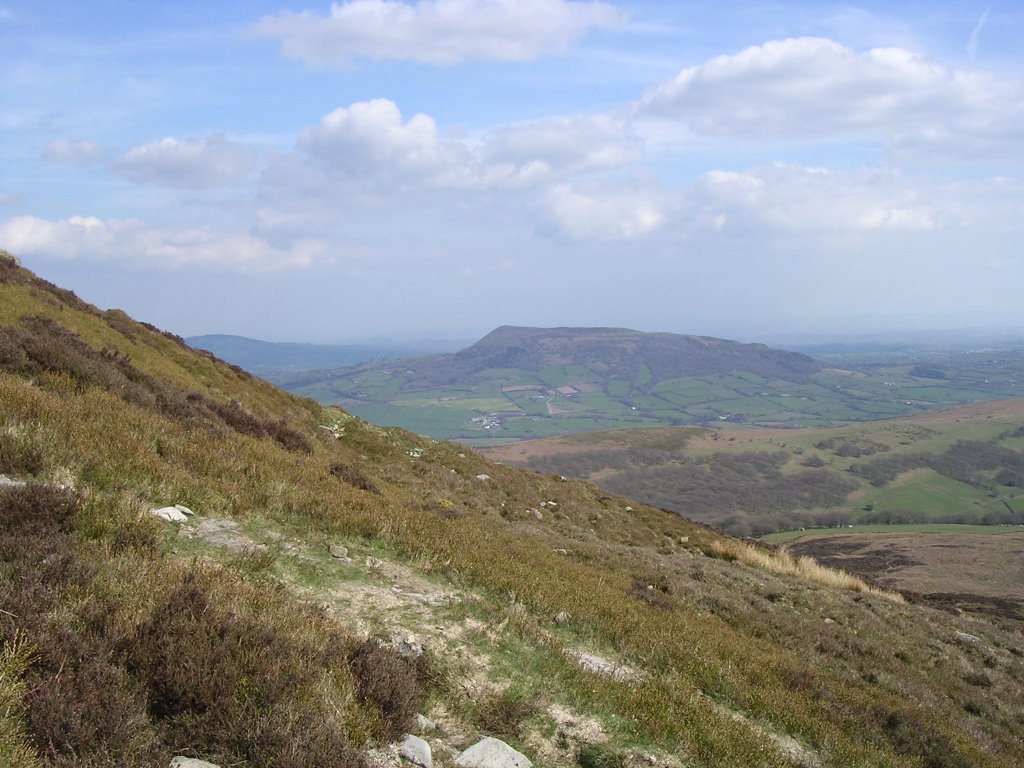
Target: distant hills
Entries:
(268, 358)
(535, 382)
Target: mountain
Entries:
(337, 578)
(537, 382)
(526, 382)
(268, 358)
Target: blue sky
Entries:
(323, 172)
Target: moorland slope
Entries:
(338, 578)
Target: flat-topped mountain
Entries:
(529, 382)
(626, 354)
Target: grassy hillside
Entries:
(238, 638)
(539, 382)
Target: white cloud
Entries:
(786, 198)
(88, 237)
(368, 142)
(972, 43)
(619, 215)
(66, 151)
(369, 139)
(188, 163)
(436, 31)
(576, 143)
(819, 89)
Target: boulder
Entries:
(482, 476)
(492, 753)
(170, 514)
(184, 510)
(190, 762)
(10, 482)
(338, 551)
(416, 751)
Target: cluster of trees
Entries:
(969, 461)
(712, 488)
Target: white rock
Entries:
(416, 751)
(190, 762)
(183, 509)
(10, 482)
(482, 476)
(406, 643)
(492, 753)
(424, 723)
(170, 514)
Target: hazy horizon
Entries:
(323, 172)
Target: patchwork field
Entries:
(961, 465)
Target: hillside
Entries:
(337, 579)
(536, 382)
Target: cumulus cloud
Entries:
(66, 151)
(371, 142)
(88, 237)
(187, 163)
(436, 31)
(620, 215)
(576, 143)
(370, 138)
(819, 89)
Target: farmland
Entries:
(961, 465)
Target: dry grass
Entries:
(782, 562)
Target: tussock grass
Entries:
(803, 567)
(15, 750)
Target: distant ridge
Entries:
(617, 353)
(260, 357)
(529, 382)
(620, 351)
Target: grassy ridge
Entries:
(732, 655)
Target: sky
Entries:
(325, 172)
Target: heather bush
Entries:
(388, 682)
(354, 476)
(506, 713)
